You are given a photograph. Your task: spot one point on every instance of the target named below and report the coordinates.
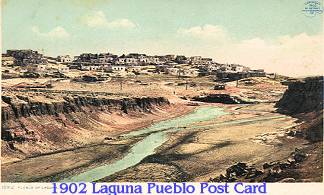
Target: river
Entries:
(155, 136)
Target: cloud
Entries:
(89, 4)
(293, 55)
(298, 55)
(121, 23)
(206, 32)
(57, 32)
(98, 19)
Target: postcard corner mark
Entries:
(312, 8)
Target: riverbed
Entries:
(156, 135)
(191, 147)
(253, 134)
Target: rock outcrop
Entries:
(20, 107)
(304, 100)
(270, 172)
(23, 106)
(221, 98)
(302, 96)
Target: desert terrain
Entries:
(72, 128)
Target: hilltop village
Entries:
(32, 64)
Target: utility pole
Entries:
(119, 78)
(186, 84)
(121, 84)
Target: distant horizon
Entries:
(276, 36)
(118, 54)
(302, 76)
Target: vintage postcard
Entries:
(210, 91)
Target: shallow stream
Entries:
(155, 136)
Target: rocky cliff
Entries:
(302, 96)
(21, 112)
(304, 100)
(24, 106)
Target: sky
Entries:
(274, 35)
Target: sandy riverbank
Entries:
(249, 133)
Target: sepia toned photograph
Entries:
(162, 91)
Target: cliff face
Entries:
(304, 100)
(302, 96)
(22, 113)
(23, 106)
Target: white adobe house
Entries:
(7, 61)
(213, 67)
(52, 68)
(134, 68)
(89, 67)
(127, 61)
(131, 61)
(239, 68)
(195, 59)
(154, 60)
(149, 60)
(173, 71)
(121, 61)
(226, 67)
(207, 61)
(198, 60)
(65, 59)
(117, 68)
(105, 59)
(144, 60)
(233, 68)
